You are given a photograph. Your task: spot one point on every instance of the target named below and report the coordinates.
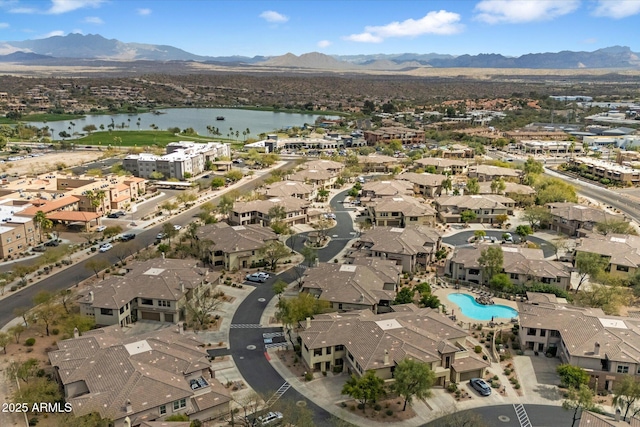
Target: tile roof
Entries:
(510, 187)
(388, 188)
(409, 206)
(426, 179)
(287, 189)
(471, 202)
(235, 239)
(290, 204)
(576, 212)
(490, 170)
(47, 206)
(621, 249)
(410, 240)
(443, 163)
(73, 216)
(312, 175)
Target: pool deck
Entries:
(443, 293)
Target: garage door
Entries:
(148, 315)
(466, 376)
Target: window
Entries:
(317, 352)
(413, 218)
(328, 350)
(623, 369)
(339, 347)
(555, 334)
(121, 310)
(513, 276)
(340, 306)
(179, 404)
(474, 272)
(543, 332)
(106, 311)
(146, 301)
(164, 303)
(622, 268)
(531, 331)
(350, 356)
(163, 409)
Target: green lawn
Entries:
(141, 138)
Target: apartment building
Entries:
(489, 173)
(574, 220)
(601, 169)
(257, 211)
(379, 189)
(378, 163)
(360, 341)
(549, 147)
(486, 207)
(424, 184)
(17, 230)
(622, 252)
(297, 189)
(400, 211)
(390, 133)
(444, 166)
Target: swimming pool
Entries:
(472, 309)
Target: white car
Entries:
(106, 247)
(256, 277)
(263, 274)
(101, 228)
(177, 227)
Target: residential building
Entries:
(377, 163)
(329, 165)
(135, 379)
(234, 247)
(573, 219)
(400, 211)
(424, 184)
(353, 287)
(17, 231)
(622, 140)
(512, 190)
(457, 151)
(521, 134)
(316, 177)
(257, 211)
(522, 265)
(414, 248)
(378, 189)
(296, 189)
(549, 147)
(387, 134)
(489, 173)
(622, 252)
(360, 341)
(601, 169)
(444, 166)
(607, 347)
(486, 207)
(182, 160)
(593, 419)
(157, 290)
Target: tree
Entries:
(310, 255)
(15, 331)
(498, 185)
(491, 260)
(501, 219)
(47, 311)
(413, 379)
(78, 321)
(427, 299)
(404, 296)
(95, 198)
(279, 287)
(473, 187)
(200, 307)
(501, 282)
(5, 339)
(187, 197)
(365, 389)
(626, 392)
(479, 235)
(572, 376)
(323, 193)
(588, 265)
(225, 205)
(578, 399)
(43, 223)
(291, 311)
(37, 391)
(169, 230)
(217, 182)
(523, 231)
(272, 252)
(97, 265)
(536, 215)
(447, 185)
(177, 417)
(615, 227)
(234, 175)
(533, 167)
(23, 370)
(112, 231)
(467, 216)
(550, 190)
(169, 206)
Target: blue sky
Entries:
(215, 28)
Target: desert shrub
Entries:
(29, 342)
(477, 349)
(389, 412)
(377, 407)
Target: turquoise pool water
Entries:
(472, 309)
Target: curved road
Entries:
(462, 239)
(245, 336)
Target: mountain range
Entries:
(96, 47)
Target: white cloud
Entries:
(51, 34)
(93, 20)
(63, 6)
(25, 10)
(143, 12)
(440, 22)
(4, 25)
(617, 9)
(519, 11)
(324, 43)
(273, 17)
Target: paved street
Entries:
(462, 239)
(505, 415)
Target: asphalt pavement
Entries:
(506, 416)
(462, 239)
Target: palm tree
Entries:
(42, 222)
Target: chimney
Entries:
(308, 322)
(182, 287)
(90, 296)
(162, 255)
(596, 349)
(386, 357)
(76, 333)
(361, 297)
(129, 407)
(237, 248)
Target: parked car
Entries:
(270, 418)
(127, 237)
(105, 247)
(51, 243)
(113, 215)
(177, 227)
(507, 237)
(161, 236)
(101, 228)
(256, 277)
(263, 274)
(480, 386)
(39, 248)
(120, 213)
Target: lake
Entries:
(197, 118)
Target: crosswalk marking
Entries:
(272, 334)
(276, 345)
(245, 326)
(521, 413)
(278, 394)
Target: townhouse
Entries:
(353, 286)
(316, 177)
(296, 189)
(138, 379)
(489, 173)
(387, 134)
(379, 189)
(378, 163)
(233, 247)
(486, 207)
(622, 252)
(573, 219)
(601, 170)
(444, 166)
(258, 211)
(400, 211)
(424, 184)
(360, 341)
(157, 290)
(522, 265)
(607, 347)
(413, 248)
